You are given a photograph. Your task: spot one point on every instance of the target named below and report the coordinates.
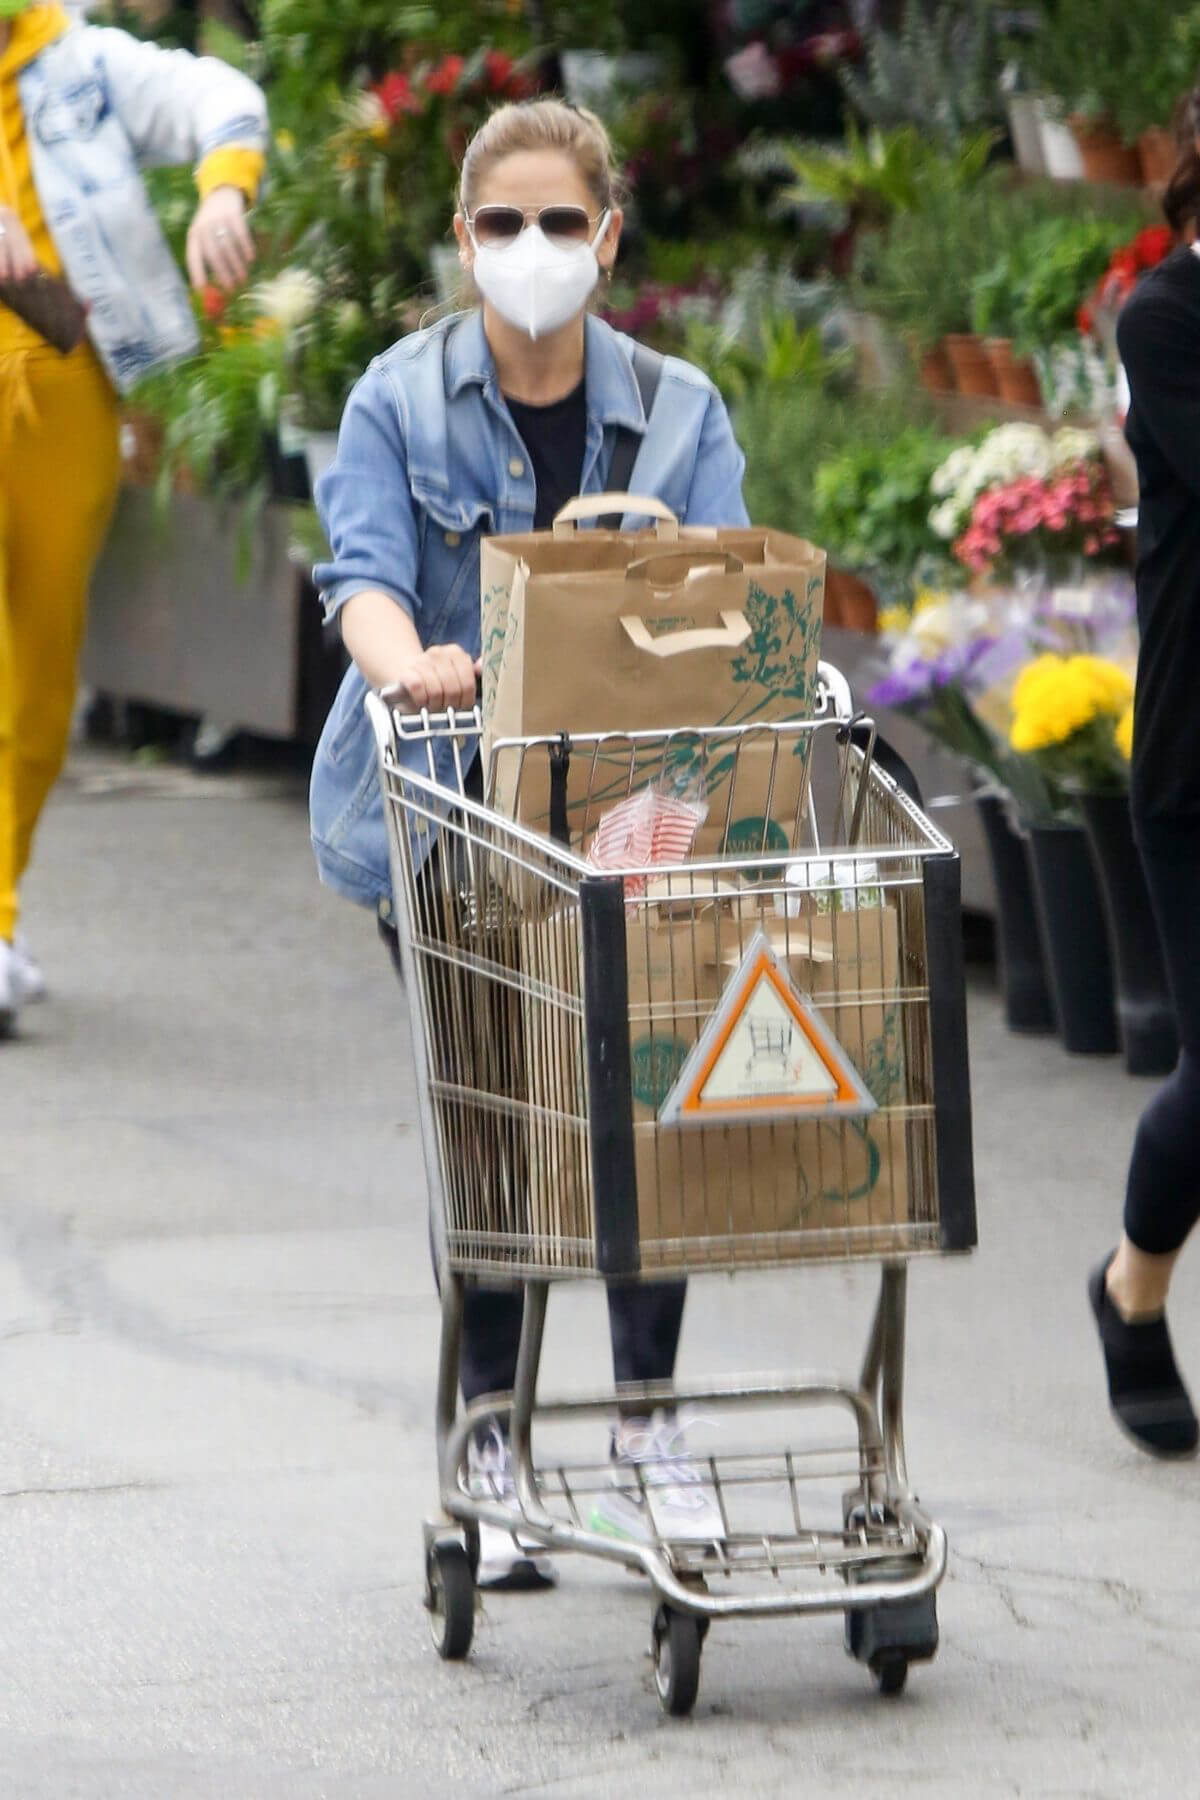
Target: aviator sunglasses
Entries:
(498, 227)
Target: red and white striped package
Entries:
(646, 831)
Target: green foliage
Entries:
(872, 503)
(882, 173)
(1111, 61)
(937, 70)
(1063, 261)
(967, 261)
(218, 413)
(780, 353)
(788, 432)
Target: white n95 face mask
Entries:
(535, 285)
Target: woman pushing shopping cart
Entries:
(593, 1104)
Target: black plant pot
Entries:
(1144, 1011)
(1028, 1005)
(1074, 939)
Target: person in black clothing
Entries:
(1158, 335)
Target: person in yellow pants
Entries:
(73, 204)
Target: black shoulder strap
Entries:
(647, 372)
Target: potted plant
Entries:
(871, 510)
(1073, 716)
(1061, 261)
(1155, 81)
(1107, 62)
(917, 275)
(995, 296)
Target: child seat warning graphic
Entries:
(765, 1054)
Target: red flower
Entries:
(444, 79)
(1124, 261)
(1152, 244)
(498, 69)
(1085, 320)
(395, 95)
(213, 302)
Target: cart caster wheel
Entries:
(890, 1670)
(450, 1597)
(676, 1646)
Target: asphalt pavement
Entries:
(216, 1372)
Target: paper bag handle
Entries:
(734, 629)
(595, 506)
(688, 563)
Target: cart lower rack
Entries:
(752, 1058)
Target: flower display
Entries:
(1070, 513)
(1004, 455)
(1066, 715)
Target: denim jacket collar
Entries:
(612, 391)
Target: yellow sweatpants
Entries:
(60, 467)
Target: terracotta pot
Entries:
(1016, 376)
(936, 372)
(1105, 158)
(973, 372)
(850, 601)
(1158, 153)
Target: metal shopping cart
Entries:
(565, 1020)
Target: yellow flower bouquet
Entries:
(1073, 716)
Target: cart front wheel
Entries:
(890, 1670)
(450, 1597)
(676, 1645)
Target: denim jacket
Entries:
(429, 461)
(99, 107)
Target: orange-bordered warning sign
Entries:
(765, 1054)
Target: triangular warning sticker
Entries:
(765, 1054)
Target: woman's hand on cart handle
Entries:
(441, 679)
(17, 260)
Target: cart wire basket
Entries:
(751, 1058)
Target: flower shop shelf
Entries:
(176, 623)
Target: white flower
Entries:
(944, 519)
(348, 317)
(1072, 445)
(289, 298)
(365, 112)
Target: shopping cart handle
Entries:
(864, 736)
(833, 693)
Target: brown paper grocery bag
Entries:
(752, 1183)
(664, 629)
(781, 1192)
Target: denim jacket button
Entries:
(516, 468)
(453, 540)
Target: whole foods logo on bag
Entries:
(657, 1063)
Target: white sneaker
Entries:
(30, 979)
(658, 1493)
(11, 992)
(506, 1558)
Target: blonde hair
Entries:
(542, 125)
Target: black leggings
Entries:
(1162, 1201)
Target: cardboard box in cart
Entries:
(603, 631)
(749, 1182)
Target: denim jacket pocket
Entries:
(449, 569)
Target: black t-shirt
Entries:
(1158, 335)
(554, 436)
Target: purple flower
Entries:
(902, 686)
(957, 663)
